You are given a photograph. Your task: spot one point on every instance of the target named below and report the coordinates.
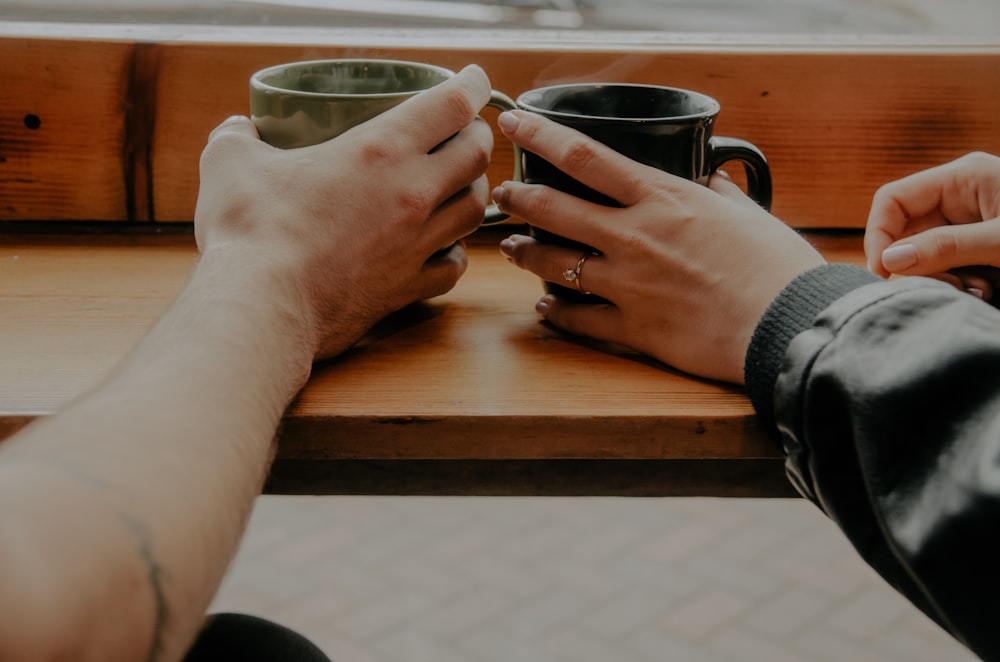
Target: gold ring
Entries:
(573, 275)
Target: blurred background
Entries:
(938, 17)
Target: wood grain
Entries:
(470, 379)
(834, 126)
(64, 148)
(125, 113)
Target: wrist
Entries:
(266, 297)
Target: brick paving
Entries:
(389, 579)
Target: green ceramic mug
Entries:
(305, 103)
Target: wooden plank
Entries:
(461, 423)
(123, 112)
(71, 307)
(492, 401)
(64, 148)
(483, 378)
(835, 125)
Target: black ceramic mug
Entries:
(664, 127)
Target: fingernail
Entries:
(508, 122)
(497, 194)
(725, 175)
(507, 248)
(542, 307)
(897, 258)
(975, 291)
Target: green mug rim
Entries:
(257, 83)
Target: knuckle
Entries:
(220, 148)
(487, 138)
(980, 159)
(415, 202)
(483, 154)
(381, 152)
(473, 207)
(553, 263)
(527, 128)
(945, 248)
(458, 107)
(883, 194)
(635, 241)
(519, 253)
(537, 202)
(578, 154)
(450, 273)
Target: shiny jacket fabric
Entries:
(886, 398)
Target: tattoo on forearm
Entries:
(155, 575)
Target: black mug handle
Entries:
(758, 172)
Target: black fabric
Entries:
(243, 638)
(793, 311)
(888, 408)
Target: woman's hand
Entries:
(942, 222)
(354, 228)
(688, 269)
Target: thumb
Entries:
(945, 248)
(239, 125)
(228, 142)
(723, 184)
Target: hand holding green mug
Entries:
(304, 103)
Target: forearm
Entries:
(153, 472)
(889, 411)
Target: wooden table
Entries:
(465, 394)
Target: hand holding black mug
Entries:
(684, 270)
(667, 128)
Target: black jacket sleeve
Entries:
(886, 398)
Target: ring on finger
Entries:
(573, 275)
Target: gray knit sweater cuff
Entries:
(794, 310)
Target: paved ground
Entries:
(378, 579)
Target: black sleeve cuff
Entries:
(794, 310)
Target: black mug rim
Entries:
(710, 103)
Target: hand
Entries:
(688, 269)
(940, 222)
(354, 228)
